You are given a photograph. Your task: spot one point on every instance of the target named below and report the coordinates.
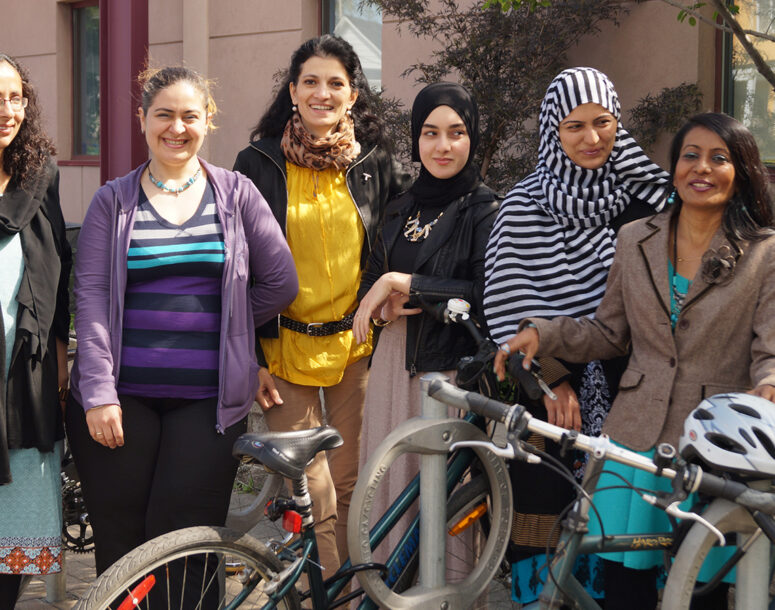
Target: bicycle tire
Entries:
(728, 517)
(246, 508)
(209, 543)
(415, 436)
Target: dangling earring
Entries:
(671, 198)
(293, 108)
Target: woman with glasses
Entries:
(34, 270)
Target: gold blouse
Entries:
(325, 235)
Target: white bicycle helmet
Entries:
(734, 432)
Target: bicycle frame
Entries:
(574, 542)
(456, 467)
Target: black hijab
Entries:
(429, 191)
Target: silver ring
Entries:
(98, 434)
(504, 347)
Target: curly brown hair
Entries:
(26, 155)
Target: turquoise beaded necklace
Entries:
(176, 190)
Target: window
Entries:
(361, 26)
(86, 79)
(748, 96)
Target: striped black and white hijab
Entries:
(551, 247)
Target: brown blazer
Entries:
(724, 340)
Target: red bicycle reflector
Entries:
(292, 521)
(138, 593)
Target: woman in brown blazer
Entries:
(691, 293)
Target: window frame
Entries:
(727, 95)
(75, 157)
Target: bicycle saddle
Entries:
(288, 453)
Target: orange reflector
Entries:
(292, 521)
(138, 593)
(468, 520)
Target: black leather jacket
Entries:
(372, 179)
(450, 264)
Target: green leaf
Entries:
(681, 16)
(692, 21)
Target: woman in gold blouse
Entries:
(318, 157)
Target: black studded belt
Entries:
(319, 329)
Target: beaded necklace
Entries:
(176, 190)
(412, 230)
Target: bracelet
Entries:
(63, 392)
(530, 325)
(380, 322)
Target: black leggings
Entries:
(174, 471)
(9, 590)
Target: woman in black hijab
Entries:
(430, 249)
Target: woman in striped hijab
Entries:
(549, 254)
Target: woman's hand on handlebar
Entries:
(525, 341)
(565, 410)
(393, 308)
(371, 304)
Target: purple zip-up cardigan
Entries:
(259, 281)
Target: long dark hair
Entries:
(26, 155)
(749, 214)
(368, 126)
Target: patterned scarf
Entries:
(551, 247)
(338, 149)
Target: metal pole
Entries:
(753, 569)
(433, 495)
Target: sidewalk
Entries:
(80, 573)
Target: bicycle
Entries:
(262, 580)
(258, 564)
(737, 508)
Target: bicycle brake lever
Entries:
(509, 452)
(673, 510)
(544, 387)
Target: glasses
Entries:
(16, 103)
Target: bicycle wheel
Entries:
(254, 487)
(463, 588)
(470, 506)
(731, 519)
(197, 567)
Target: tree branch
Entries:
(761, 65)
(695, 13)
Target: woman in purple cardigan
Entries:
(178, 262)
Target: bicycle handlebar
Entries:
(740, 493)
(694, 479)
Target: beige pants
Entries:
(331, 477)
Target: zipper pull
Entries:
(412, 370)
